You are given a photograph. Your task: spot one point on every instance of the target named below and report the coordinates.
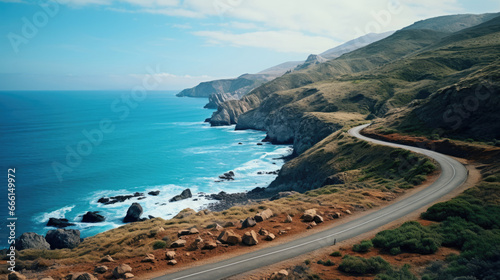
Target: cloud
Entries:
(281, 41)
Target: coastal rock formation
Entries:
(154, 193)
(134, 213)
(120, 270)
(63, 238)
(93, 217)
(227, 176)
(184, 195)
(59, 223)
(31, 240)
(118, 198)
(228, 112)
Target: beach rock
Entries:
(101, 269)
(229, 237)
(250, 238)
(63, 238)
(228, 176)
(107, 258)
(134, 213)
(264, 215)
(270, 237)
(170, 255)
(172, 262)
(154, 193)
(178, 243)
(85, 276)
(93, 217)
(59, 223)
(31, 240)
(149, 258)
(210, 245)
(318, 219)
(16, 276)
(248, 222)
(288, 219)
(120, 270)
(184, 195)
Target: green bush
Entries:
(363, 246)
(307, 262)
(336, 254)
(400, 274)
(455, 231)
(360, 266)
(411, 237)
(159, 244)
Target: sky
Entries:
(115, 44)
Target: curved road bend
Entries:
(453, 174)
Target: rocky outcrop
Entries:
(312, 128)
(93, 217)
(312, 59)
(119, 198)
(63, 238)
(184, 195)
(228, 112)
(134, 213)
(31, 240)
(59, 223)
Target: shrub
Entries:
(410, 237)
(328, 263)
(159, 244)
(363, 246)
(400, 274)
(307, 262)
(336, 254)
(360, 266)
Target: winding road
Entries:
(453, 174)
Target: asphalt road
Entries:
(453, 174)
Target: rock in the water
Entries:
(85, 276)
(264, 215)
(249, 222)
(250, 238)
(178, 243)
(63, 238)
(149, 258)
(107, 258)
(134, 213)
(59, 223)
(184, 195)
(16, 276)
(93, 217)
(210, 245)
(101, 269)
(318, 219)
(227, 176)
(154, 193)
(31, 240)
(120, 270)
(229, 237)
(170, 255)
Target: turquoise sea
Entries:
(71, 148)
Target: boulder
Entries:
(270, 237)
(229, 224)
(248, 222)
(59, 223)
(154, 193)
(120, 270)
(63, 238)
(128, 275)
(149, 258)
(84, 276)
(107, 258)
(250, 238)
(229, 237)
(318, 219)
(308, 215)
(210, 245)
(47, 278)
(101, 269)
(170, 255)
(264, 215)
(183, 232)
(178, 243)
(288, 219)
(134, 213)
(336, 215)
(172, 262)
(227, 176)
(194, 231)
(347, 212)
(31, 240)
(217, 227)
(263, 232)
(16, 276)
(184, 195)
(93, 217)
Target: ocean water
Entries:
(71, 148)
